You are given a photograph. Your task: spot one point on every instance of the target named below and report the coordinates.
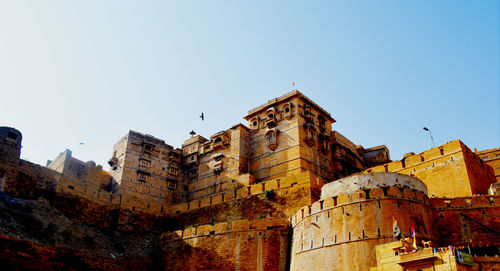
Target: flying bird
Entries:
(202, 116)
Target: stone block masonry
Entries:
(239, 245)
(449, 170)
(354, 222)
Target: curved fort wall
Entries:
(259, 244)
(353, 224)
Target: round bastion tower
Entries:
(354, 214)
(10, 145)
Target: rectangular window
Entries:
(148, 147)
(142, 176)
(144, 163)
(173, 171)
(172, 184)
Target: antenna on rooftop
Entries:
(428, 130)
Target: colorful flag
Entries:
(395, 229)
(414, 237)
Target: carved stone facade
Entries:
(285, 136)
(146, 170)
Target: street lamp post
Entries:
(428, 130)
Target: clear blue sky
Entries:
(88, 71)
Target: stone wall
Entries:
(279, 186)
(76, 198)
(492, 158)
(467, 219)
(287, 196)
(353, 224)
(449, 170)
(240, 245)
(66, 164)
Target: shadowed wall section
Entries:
(259, 244)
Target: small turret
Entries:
(10, 145)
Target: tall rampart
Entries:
(280, 197)
(259, 244)
(449, 170)
(353, 224)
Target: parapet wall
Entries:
(353, 224)
(276, 198)
(279, 186)
(435, 167)
(411, 161)
(240, 245)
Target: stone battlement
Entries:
(366, 195)
(363, 218)
(474, 202)
(452, 160)
(430, 155)
(354, 223)
(226, 227)
(279, 184)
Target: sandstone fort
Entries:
(284, 191)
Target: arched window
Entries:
(272, 139)
(254, 123)
(271, 120)
(287, 109)
(310, 135)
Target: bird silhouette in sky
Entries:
(202, 116)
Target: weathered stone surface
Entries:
(371, 180)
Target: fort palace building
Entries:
(284, 191)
